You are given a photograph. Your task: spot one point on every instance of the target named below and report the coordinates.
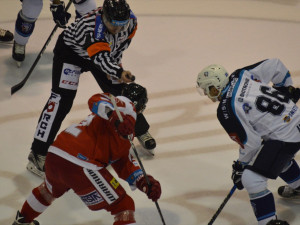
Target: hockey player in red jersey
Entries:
(78, 160)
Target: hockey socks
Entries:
(263, 206)
(292, 175)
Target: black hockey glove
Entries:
(292, 92)
(237, 172)
(60, 16)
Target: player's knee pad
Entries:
(254, 182)
(24, 25)
(124, 217)
(32, 8)
(84, 6)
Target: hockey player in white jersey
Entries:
(30, 12)
(265, 121)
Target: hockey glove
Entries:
(237, 172)
(60, 16)
(292, 92)
(153, 191)
(126, 127)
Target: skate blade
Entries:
(6, 42)
(19, 64)
(32, 168)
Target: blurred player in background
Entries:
(30, 12)
(78, 160)
(6, 36)
(265, 122)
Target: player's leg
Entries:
(65, 78)
(24, 27)
(291, 175)
(42, 196)
(269, 162)
(261, 199)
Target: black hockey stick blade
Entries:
(18, 86)
(222, 205)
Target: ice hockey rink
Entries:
(193, 158)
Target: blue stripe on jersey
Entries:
(236, 86)
(284, 80)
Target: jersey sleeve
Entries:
(100, 104)
(128, 169)
(272, 70)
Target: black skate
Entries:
(18, 53)
(20, 220)
(277, 222)
(6, 36)
(36, 164)
(288, 192)
(147, 141)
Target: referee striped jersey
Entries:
(91, 40)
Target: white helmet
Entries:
(212, 75)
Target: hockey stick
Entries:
(222, 205)
(137, 156)
(18, 86)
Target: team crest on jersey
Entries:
(246, 108)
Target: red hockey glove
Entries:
(126, 127)
(155, 190)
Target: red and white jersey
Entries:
(94, 143)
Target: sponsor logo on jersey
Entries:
(45, 124)
(82, 157)
(92, 198)
(99, 28)
(102, 186)
(114, 183)
(244, 88)
(288, 117)
(231, 87)
(69, 78)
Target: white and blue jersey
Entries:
(251, 111)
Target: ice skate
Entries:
(288, 192)
(36, 164)
(277, 222)
(6, 36)
(147, 141)
(18, 53)
(20, 220)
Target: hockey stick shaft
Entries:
(18, 86)
(222, 205)
(137, 156)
